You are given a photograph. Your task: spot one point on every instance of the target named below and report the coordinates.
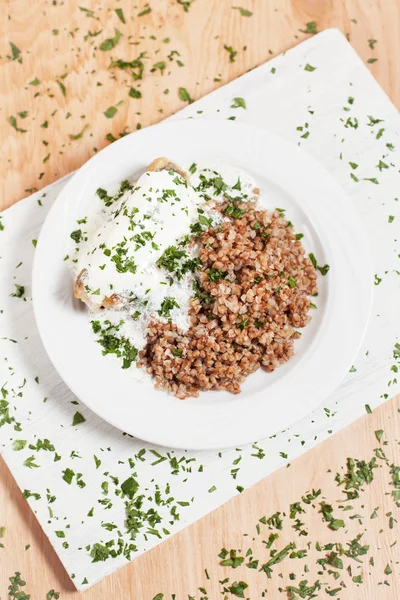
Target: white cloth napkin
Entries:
(319, 95)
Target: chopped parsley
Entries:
(200, 295)
(110, 43)
(172, 261)
(15, 53)
(133, 93)
(244, 324)
(14, 589)
(170, 258)
(323, 270)
(243, 11)
(215, 275)
(120, 15)
(177, 352)
(161, 66)
(102, 194)
(166, 306)
(110, 112)
(78, 418)
(123, 263)
(30, 463)
(62, 88)
(19, 445)
(145, 11)
(311, 27)
(238, 103)
(112, 343)
(78, 136)
(184, 95)
(13, 123)
(19, 291)
(77, 236)
(234, 211)
(99, 552)
(136, 66)
(232, 53)
(233, 561)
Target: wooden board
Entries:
(199, 35)
(58, 47)
(178, 565)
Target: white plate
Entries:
(317, 206)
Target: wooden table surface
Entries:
(56, 87)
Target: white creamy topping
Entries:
(126, 245)
(122, 254)
(238, 182)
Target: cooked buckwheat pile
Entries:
(252, 294)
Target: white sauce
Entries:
(123, 242)
(230, 176)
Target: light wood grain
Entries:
(33, 159)
(177, 565)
